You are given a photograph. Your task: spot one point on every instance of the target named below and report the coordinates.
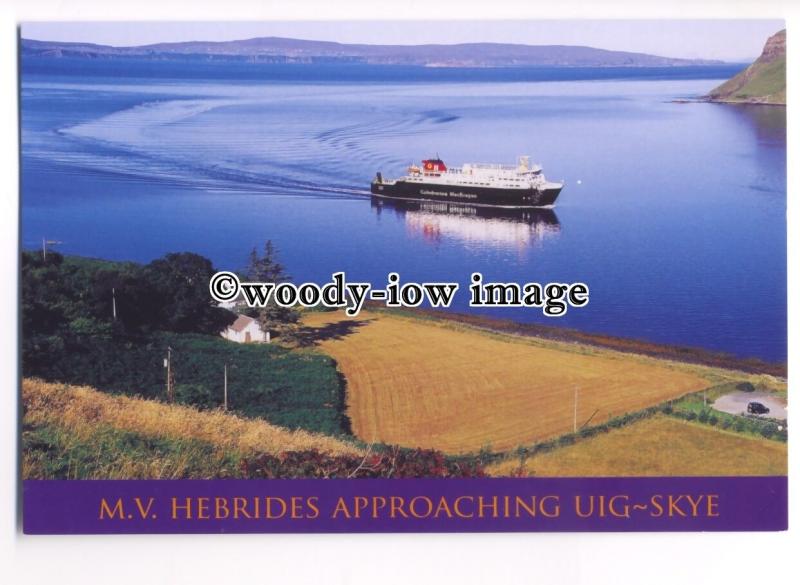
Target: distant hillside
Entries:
(763, 82)
(283, 50)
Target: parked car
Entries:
(756, 408)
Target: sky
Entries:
(726, 40)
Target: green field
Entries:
(290, 388)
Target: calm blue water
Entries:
(673, 213)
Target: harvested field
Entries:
(423, 383)
(659, 446)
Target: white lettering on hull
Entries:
(458, 194)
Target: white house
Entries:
(246, 330)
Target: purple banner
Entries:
(405, 505)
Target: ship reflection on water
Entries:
(435, 221)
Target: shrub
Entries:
(768, 430)
(396, 463)
(566, 440)
(615, 423)
(745, 387)
(197, 395)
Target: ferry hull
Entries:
(495, 197)
(541, 217)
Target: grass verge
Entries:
(66, 421)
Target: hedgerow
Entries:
(395, 463)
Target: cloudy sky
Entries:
(728, 40)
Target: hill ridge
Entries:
(763, 82)
(291, 50)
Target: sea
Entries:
(673, 210)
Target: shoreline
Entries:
(686, 354)
(710, 100)
(753, 102)
(678, 353)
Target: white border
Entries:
(502, 558)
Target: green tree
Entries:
(44, 302)
(267, 268)
(182, 301)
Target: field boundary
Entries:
(676, 353)
(754, 428)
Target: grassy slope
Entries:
(419, 383)
(658, 446)
(52, 451)
(71, 431)
(762, 82)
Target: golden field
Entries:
(80, 412)
(658, 446)
(423, 383)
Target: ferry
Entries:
(519, 186)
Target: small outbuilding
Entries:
(246, 330)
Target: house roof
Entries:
(242, 321)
